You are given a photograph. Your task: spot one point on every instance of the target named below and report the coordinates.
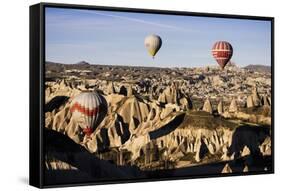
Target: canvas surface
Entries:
(134, 96)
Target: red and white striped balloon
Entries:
(88, 109)
(222, 51)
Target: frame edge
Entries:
(35, 175)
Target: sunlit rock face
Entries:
(158, 124)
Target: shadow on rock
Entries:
(55, 103)
(63, 148)
(168, 128)
(250, 136)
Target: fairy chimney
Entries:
(207, 106)
(111, 89)
(233, 106)
(226, 169)
(256, 97)
(220, 107)
(250, 101)
(130, 91)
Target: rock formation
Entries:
(250, 101)
(207, 106)
(233, 106)
(111, 89)
(153, 124)
(220, 107)
(265, 101)
(245, 152)
(130, 91)
(256, 97)
(246, 169)
(226, 169)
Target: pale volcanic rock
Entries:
(113, 101)
(54, 164)
(245, 152)
(233, 106)
(61, 118)
(63, 84)
(133, 124)
(48, 92)
(149, 114)
(269, 100)
(253, 118)
(185, 103)
(256, 97)
(196, 138)
(220, 107)
(133, 107)
(158, 110)
(216, 141)
(152, 114)
(176, 156)
(59, 89)
(62, 121)
(250, 101)
(226, 169)
(169, 108)
(135, 144)
(103, 138)
(246, 169)
(172, 95)
(225, 156)
(111, 88)
(218, 81)
(197, 149)
(207, 106)
(265, 101)
(82, 86)
(210, 146)
(168, 95)
(265, 147)
(162, 98)
(130, 91)
(49, 119)
(118, 132)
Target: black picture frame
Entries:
(37, 93)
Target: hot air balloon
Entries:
(88, 110)
(152, 43)
(222, 51)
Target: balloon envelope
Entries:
(88, 109)
(152, 43)
(222, 51)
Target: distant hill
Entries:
(59, 67)
(83, 65)
(259, 68)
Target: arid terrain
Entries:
(160, 122)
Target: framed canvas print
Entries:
(127, 95)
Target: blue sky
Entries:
(117, 38)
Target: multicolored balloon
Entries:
(152, 43)
(88, 109)
(222, 51)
